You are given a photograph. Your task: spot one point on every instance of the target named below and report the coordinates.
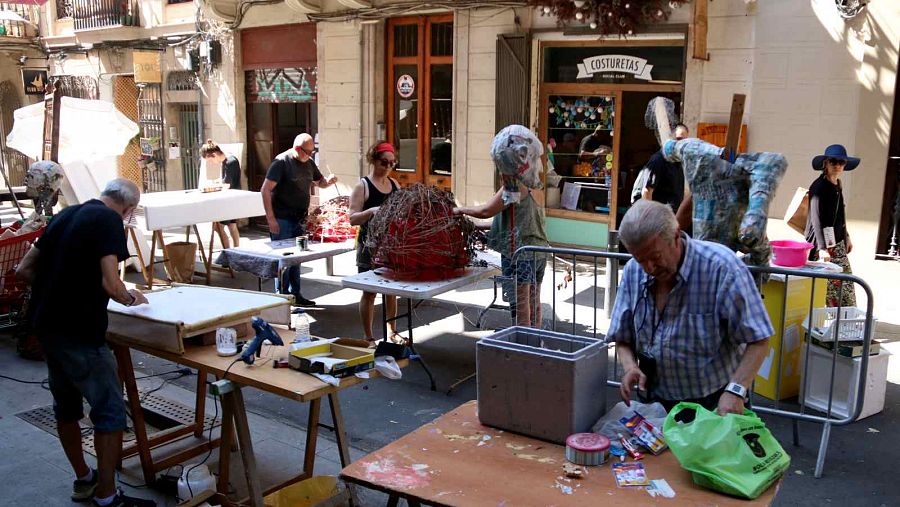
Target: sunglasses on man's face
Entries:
(304, 150)
(836, 161)
(387, 163)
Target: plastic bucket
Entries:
(308, 493)
(789, 253)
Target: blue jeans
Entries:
(82, 371)
(289, 282)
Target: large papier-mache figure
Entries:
(42, 182)
(516, 153)
(731, 199)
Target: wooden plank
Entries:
(236, 400)
(126, 373)
(611, 43)
(312, 435)
(701, 29)
(734, 126)
(459, 458)
(285, 382)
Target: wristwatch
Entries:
(737, 390)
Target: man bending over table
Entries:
(73, 271)
(688, 321)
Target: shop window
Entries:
(420, 98)
(580, 131)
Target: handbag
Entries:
(798, 210)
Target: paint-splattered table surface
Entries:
(454, 460)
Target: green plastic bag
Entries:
(734, 454)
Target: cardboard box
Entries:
(340, 361)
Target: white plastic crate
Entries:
(824, 320)
(846, 382)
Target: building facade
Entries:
(440, 83)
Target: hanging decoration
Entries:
(583, 113)
(622, 17)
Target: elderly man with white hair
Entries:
(688, 322)
(285, 195)
(73, 272)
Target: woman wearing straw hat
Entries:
(367, 196)
(826, 225)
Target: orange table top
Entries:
(455, 460)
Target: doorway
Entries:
(271, 129)
(420, 98)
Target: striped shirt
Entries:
(698, 339)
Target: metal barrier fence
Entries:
(611, 262)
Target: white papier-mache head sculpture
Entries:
(42, 182)
(516, 153)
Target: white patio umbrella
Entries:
(88, 130)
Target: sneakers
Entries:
(302, 301)
(82, 491)
(127, 501)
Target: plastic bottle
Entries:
(300, 322)
(195, 479)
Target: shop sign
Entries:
(616, 64)
(406, 86)
(34, 81)
(147, 67)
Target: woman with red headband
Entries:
(367, 196)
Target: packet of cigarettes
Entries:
(646, 433)
(630, 474)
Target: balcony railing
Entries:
(12, 28)
(89, 14)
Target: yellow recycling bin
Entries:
(793, 306)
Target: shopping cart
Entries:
(13, 292)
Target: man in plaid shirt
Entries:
(688, 321)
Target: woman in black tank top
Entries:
(367, 196)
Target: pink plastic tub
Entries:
(790, 254)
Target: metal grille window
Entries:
(190, 134)
(16, 163)
(90, 14)
(181, 80)
(64, 9)
(150, 119)
(406, 40)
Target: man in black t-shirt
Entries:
(286, 199)
(73, 271)
(665, 181)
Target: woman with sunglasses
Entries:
(367, 196)
(826, 224)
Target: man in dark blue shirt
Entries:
(73, 271)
